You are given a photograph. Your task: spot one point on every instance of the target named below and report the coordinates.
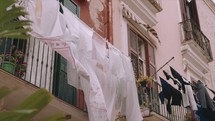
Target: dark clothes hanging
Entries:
(204, 99)
(168, 76)
(174, 81)
(171, 94)
(205, 114)
(176, 75)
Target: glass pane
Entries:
(133, 42)
(152, 70)
(134, 60)
(141, 71)
(151, 54)
(141, 48)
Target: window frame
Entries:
(146, 43)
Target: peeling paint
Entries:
(95, 8)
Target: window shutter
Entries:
(73, 7)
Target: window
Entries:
(151, 57)
(189, 11)
(143, 62)
(142, 55)
(61, 88)
(72, 6)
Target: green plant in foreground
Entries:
(10, 25)
(29, 107)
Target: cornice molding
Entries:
(143, 11)
(210, 4)
(197, 61)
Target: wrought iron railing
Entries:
(154, 104)
(39, 68)
(191, 32)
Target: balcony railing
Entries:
(40, 72)
(191, 32)
(40, 69)
(153, 103)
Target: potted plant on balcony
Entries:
(143, 83)
(21, 66)
(8, 62)
(14, 63)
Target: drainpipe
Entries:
(110, 22)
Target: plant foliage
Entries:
(29, 107)
(10, 25)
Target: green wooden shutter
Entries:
(72, 6)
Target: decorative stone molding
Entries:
(211, 5)
(156, 4)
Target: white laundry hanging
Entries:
(130, 106)
(110, 65)
(73, 77)
(107, 71)
(96, 99)
(45, 17)
(188, 97)
(74, 42)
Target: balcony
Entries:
(39, 67)
(41, 71)
(154, 5)
(158, 111)
(197, 41)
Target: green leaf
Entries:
(15, 24)
(37, 101)
(8, 116)
(5, 91)
(18, 30)
(56, 117)
(25, 111)
(4, 4)
(10, 25)
(17, 33)
(14, 13)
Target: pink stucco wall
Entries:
(168, 32)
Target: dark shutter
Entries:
(194, 13)
(72, 6)
(183, 4)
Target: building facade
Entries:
(155, 34)
(185, 33)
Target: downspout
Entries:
(110, 22)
